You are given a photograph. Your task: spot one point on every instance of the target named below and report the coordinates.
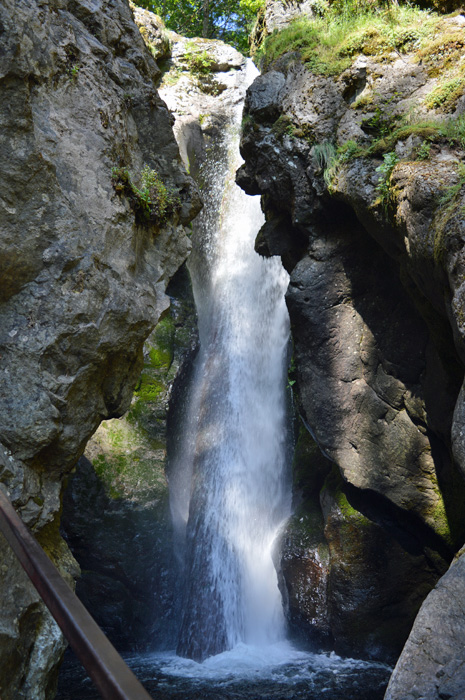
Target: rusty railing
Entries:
(112, 677)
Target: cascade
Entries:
(228, 485)
(229, 491)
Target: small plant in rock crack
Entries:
(383, 187)
(423, 151)
(73, 72)
(325, 156)
(198, 61)
(152, 202)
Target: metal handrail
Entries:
(112, 677)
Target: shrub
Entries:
(198, 61)
(152, 202)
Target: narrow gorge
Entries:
(254, 458)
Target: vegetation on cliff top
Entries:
(328, 43)
(228, 20)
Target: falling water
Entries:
(229, 490)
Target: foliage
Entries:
(228, 20)
(383, 187)
(198, 61)
(153, 201)
(324, 154)
(326, 44)
(423, 151)
(328, 158)
(349, 150)
(74, 71)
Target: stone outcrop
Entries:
(120, 486)
(116, 516)
(82, 282)
(432, 663)
(363, 206)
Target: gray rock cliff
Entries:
(82, 280)
(432, 663)
(359, 173)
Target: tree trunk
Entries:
(205, 12)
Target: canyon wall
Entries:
(358, 161)
(84, 268)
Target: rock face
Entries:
(432, 663)
(116, 517)
(83, 283)
(131, 584)
(362, 204)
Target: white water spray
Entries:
(229, 491)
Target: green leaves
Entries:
(228, 20)
(153, 202)
(383, 187)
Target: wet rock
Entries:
(367, 618)
(262, 102)
(116, 516)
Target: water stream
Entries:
(229, 482)
(229, 489)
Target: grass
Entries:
(445, 95)
(327, 44)
(152, 201)
(448, 130)
(198, 61)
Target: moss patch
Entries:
(446, 95)
(327, 44)
(129, 465)
(152, 201)
(51, 541)
(334, 485)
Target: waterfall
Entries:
(229, 490)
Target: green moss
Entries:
(440, 49)
(446, 130)
(198, 60)
(149, 388)
(441, 521)
(163, 339)
(306, 528)
(327, 44)
(334, 484)
(128, 464)
(51, 541)
(171, 75)
(450, 204)
(446, 94)
(365, 100)
(283, 126)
